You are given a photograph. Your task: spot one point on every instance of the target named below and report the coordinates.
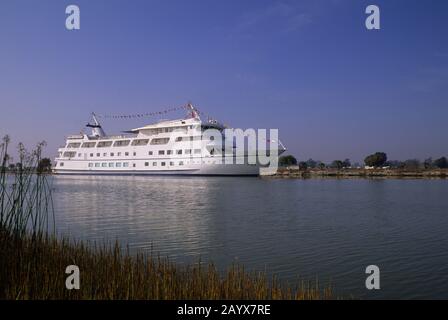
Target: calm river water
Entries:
(319, 228)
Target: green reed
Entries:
(106, 272)
(25, 195)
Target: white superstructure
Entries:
(167, 147)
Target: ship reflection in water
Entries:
(330, 229)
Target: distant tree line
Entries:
(44, 166)
(375, 160)
(414, 164)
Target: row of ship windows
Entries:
(126, 164)
(71, 154)
(135, 142)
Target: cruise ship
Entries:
(168, 147)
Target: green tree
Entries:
(441, 163)
(303, 165)
(377, 159)
(428, 163)
(346, 163)
(338, 164)
(288, 160)
(44, 165)
(311, 163)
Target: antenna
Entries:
(97, 130)
(95, 120)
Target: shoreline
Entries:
(296, 173)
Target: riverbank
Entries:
(295, 172)
(34, 268)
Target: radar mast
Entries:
(97, 130)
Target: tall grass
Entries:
(33, 260)
(26, 209)
(109, 273)
(25, 197)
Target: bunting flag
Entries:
(153, 114)
(140, 115)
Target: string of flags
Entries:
(153, 114)
(140, 115)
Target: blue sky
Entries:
(309, 68)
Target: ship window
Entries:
(150, 153)
(154, 164)
(160, 141)
(119, 154)
(169, 151)
(171, 163)
(181, 163)
(178, 139)
(104, 164)
(79, 155)
(187, 151)
(197, 151)
(91, 154)
(140, 142)
(146, 164)
(97, 164)
(125, 164)
(97, 154)
(126, 153)
(104, 154)
(61, 164)
(111, 164)
(133, 165)
(135, 153)
(88, 145)
(190, 138)
(111, 154)
(69, 154)
(162, 164)
(179, 151)
(90, 165)
(74, 145)
(118, 164)
(121, 143)
(161, 152)
(103, 144)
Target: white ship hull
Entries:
(205, 170)
(177, 147)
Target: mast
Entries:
(193, 112)
(97, 130)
